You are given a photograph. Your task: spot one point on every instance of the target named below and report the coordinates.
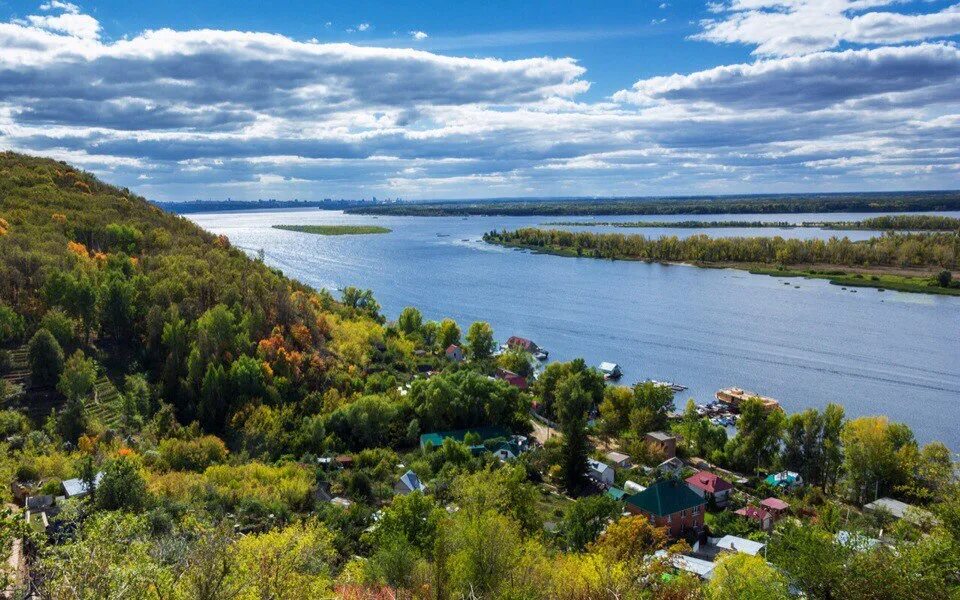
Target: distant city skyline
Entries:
(184, 100)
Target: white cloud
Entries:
(792, 27)
(57, 4)
(418, 35)
(363, 26)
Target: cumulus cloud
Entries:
(793, 27)
(177, 114)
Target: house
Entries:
(711, 487)
(733, 543)
(775, 506)
(672, 504)
(344, 461)
(664, 442)
(689, 564)
(77, 488)
(632, 487)
(616, 493)
(602, 472)
(435, 438)
(672, 467)
(760, 516)
(322, 492)
(898, 509)
(409, 482)
(619, 460)
(506, 450)
(785, 480)
(519, 343)
(512, 378)
(454, 353)
(611, 370)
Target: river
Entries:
(804, 342)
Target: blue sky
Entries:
(181, 100)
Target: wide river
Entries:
(804, 342)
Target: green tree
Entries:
(504, 490)
(449, 333)
(585, 519)
(486, 549)
(78, 376)
(410, 321)
(72, 421)
(573, 402)
(214, 399)
(60, 325)
(363, 302)
(656, 400)
(118, 306)
(872, 458)
(517, 361)
(757, 442)
(11, 325)
(745, 577)
(122, 486)
(46, 357)
(480, 340)
(412, 517)
(811, 559)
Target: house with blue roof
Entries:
(409, 483)
(78, 488)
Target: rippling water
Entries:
(804, 342)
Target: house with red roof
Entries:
(512, 378)
(711, 487)
(760, 516)
(454, 353)
(775, 506)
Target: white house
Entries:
(409, 482)
(602, 472)
(739, 544)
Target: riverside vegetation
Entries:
(213, 406)
(912, 262)
(334, 229)
(884, 223)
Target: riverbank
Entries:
(334, 229)
(918, 281)
(884, 223)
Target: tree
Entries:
(871, 456)
(585, 519)
(214, 399)
(631, 539)
(363, 302)
(46, 357)
(745, 577)
(573, 402)
(618, 403)
(811, 559)
(410, 321)
(758, 436)
(657, 399)
(547, 384)
(117, 299)
(78, 376)
(11, 325)
(480, 340)
(944, 278)
(122, 486)
(485, 551)
(286, 564)
(412, 517)
(72, 421)
(700, 436)
(449, 333)
(504, 490)
(60, 325)
(517, 361)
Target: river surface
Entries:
(804, 342)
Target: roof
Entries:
(617, 457)
(607, 367)
(856, 541)
(752, 512)
(412, 482)
(77, 487)
(487, 432)
(598, 466)
(709, 482)
(739, 544)
(616, 493)
(894, 507)
(511, 447)
(452, 348)
(774, 504)
(672, 463)
(783, 478)
(661, 436)
(666, 497)
(699, 567)
(522, 342)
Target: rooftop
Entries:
(774, 504)
(661, 436)
(739, 544)
(709, 482)
(666, 497)
(488, 432)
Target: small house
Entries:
(619, 460)
(616, 493)
(898, 509)
(672, 467)
(689, 564)
(785, 480)
(77, 488)
(344, 461)
(775, 506)
(611, 370)
(733, 543)
(408, 483)
(512, 378)
(664, 442)
(599, 471)
(505, 451)
(454, 353)
(761, 517)
(519, 343)
(672, 504)
(341, 502)
(711, 487)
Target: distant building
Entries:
(672, 504)
(711, 487)
(408, 483)
(632, 487)
(785, 480)
(665, 443)
(898, 509)
(672, 467)
(616, 493)
(454, 353)
(734, 397)
(619, 460)
(733, 543)
(602, 472)
(77, 488)
(760, 516)
(519, 343)
(512, 378)
(775, 506)
(611, 370)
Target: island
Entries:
(334, 229)
(884, 223)
(907, 262)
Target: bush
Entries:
(193, 455)
(11, 325)
(60, 325)
(122, 486)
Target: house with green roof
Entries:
(672, 504)
(436, 438)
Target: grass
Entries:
(334, 229)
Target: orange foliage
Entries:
(222, 241)
(301, 335)
(100, 257)
(78, 249)
(82, 186)
(125, 452)
(59, 218)
(87, 444)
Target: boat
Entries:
(611, 370)
(734, 397)
(527, 346)
(668, 384)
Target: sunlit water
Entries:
(804, 342)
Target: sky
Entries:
(184, 100)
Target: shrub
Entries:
(193, 455)
(46, 357)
